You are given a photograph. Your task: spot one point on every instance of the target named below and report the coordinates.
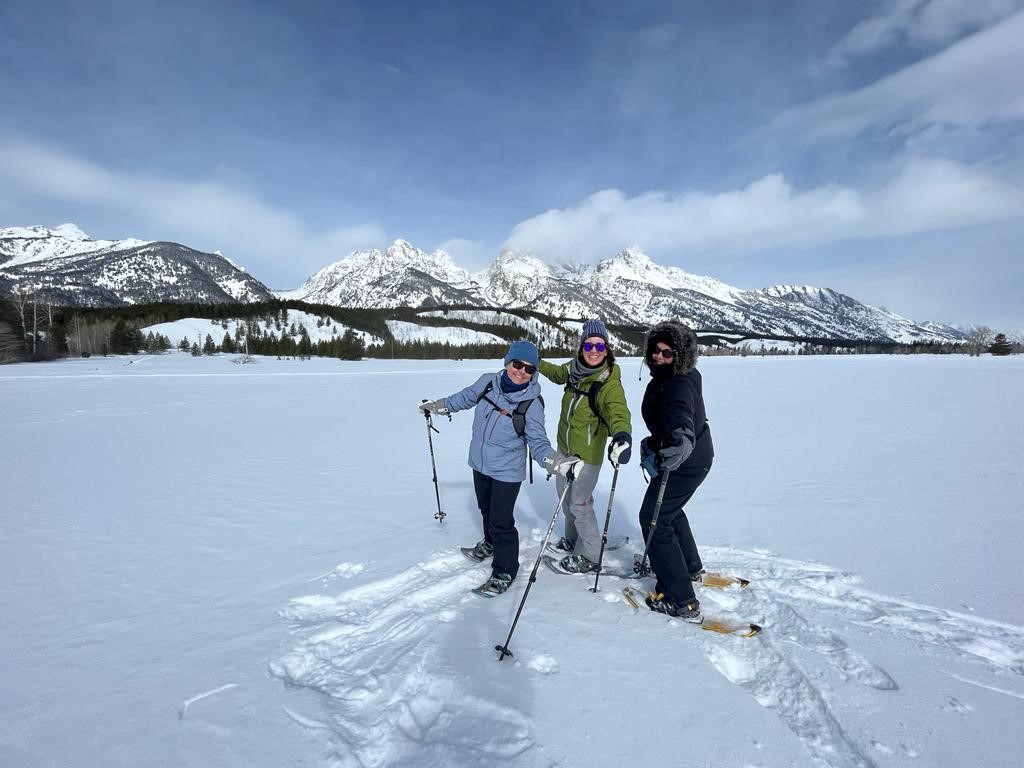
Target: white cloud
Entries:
(469, 254)
(924, 195)
(971, 83)
(209, 215)
(920, 23)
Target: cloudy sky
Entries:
(873, 147)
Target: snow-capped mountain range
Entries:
(625, 289)
(71, 268)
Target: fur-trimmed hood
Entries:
(678, 336)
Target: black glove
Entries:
(620, 448)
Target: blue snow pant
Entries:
(497, 501)
(673, 551)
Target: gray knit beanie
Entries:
(593, 328)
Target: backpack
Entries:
(518, 415)
(592, 400)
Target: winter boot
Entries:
(497, 584)
(480, 552)
(565, 545)
(577, 564)
(686, 611)
(698, 577)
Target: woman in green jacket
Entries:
(591, 379)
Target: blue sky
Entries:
(875, 148)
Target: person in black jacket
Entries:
(680, 444)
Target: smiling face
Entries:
(662, 354)
(594, 357)
(519, 375)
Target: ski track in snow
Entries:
(387, 702)
(388, 705)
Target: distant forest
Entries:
(32, 329)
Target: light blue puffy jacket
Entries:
(495, 449)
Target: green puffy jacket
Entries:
(580, 431)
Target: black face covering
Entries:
(663, 371)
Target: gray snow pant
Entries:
(580, 520)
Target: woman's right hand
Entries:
(434, 406)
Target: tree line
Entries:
(32, 328)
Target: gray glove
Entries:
(434, 406)
(670, 457)
(566, 466)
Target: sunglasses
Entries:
(519, 365)
(589, 346)
(667, 353)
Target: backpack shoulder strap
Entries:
(487, 388)
(519, 414)
(595, 388)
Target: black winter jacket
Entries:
(676, 402)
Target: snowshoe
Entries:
(497, 584)
(478, 552)
(690, 612)
(570, 564)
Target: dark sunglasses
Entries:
(668, 354)
(589, 346)
(519, 365)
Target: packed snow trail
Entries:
(398, 661)
(391, 694)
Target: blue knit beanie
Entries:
(522, 350)
(593, 328)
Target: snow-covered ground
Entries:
(195, 329)
(404, 331)
(207, 564)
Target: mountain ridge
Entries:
(628, 288)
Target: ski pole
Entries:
(439, 515)
(641, 569)
(607, 519)
(503, 650)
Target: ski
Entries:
(721, 580)
(721, 625)
(712, 579)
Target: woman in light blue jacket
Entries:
(509, 417)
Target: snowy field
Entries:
(214, 565)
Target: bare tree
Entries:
(12, 335)
(978, 339)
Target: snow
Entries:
(195, 329)
(66, 241)
(208, 564)
(405, 331)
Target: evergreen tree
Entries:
(1000, 346)
(124, 340)
(209, 348)
(228, 344)
(351, 346)
(183, 345)
(196, 351)
(305, 346)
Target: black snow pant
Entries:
(497, 501)
(673, 551)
